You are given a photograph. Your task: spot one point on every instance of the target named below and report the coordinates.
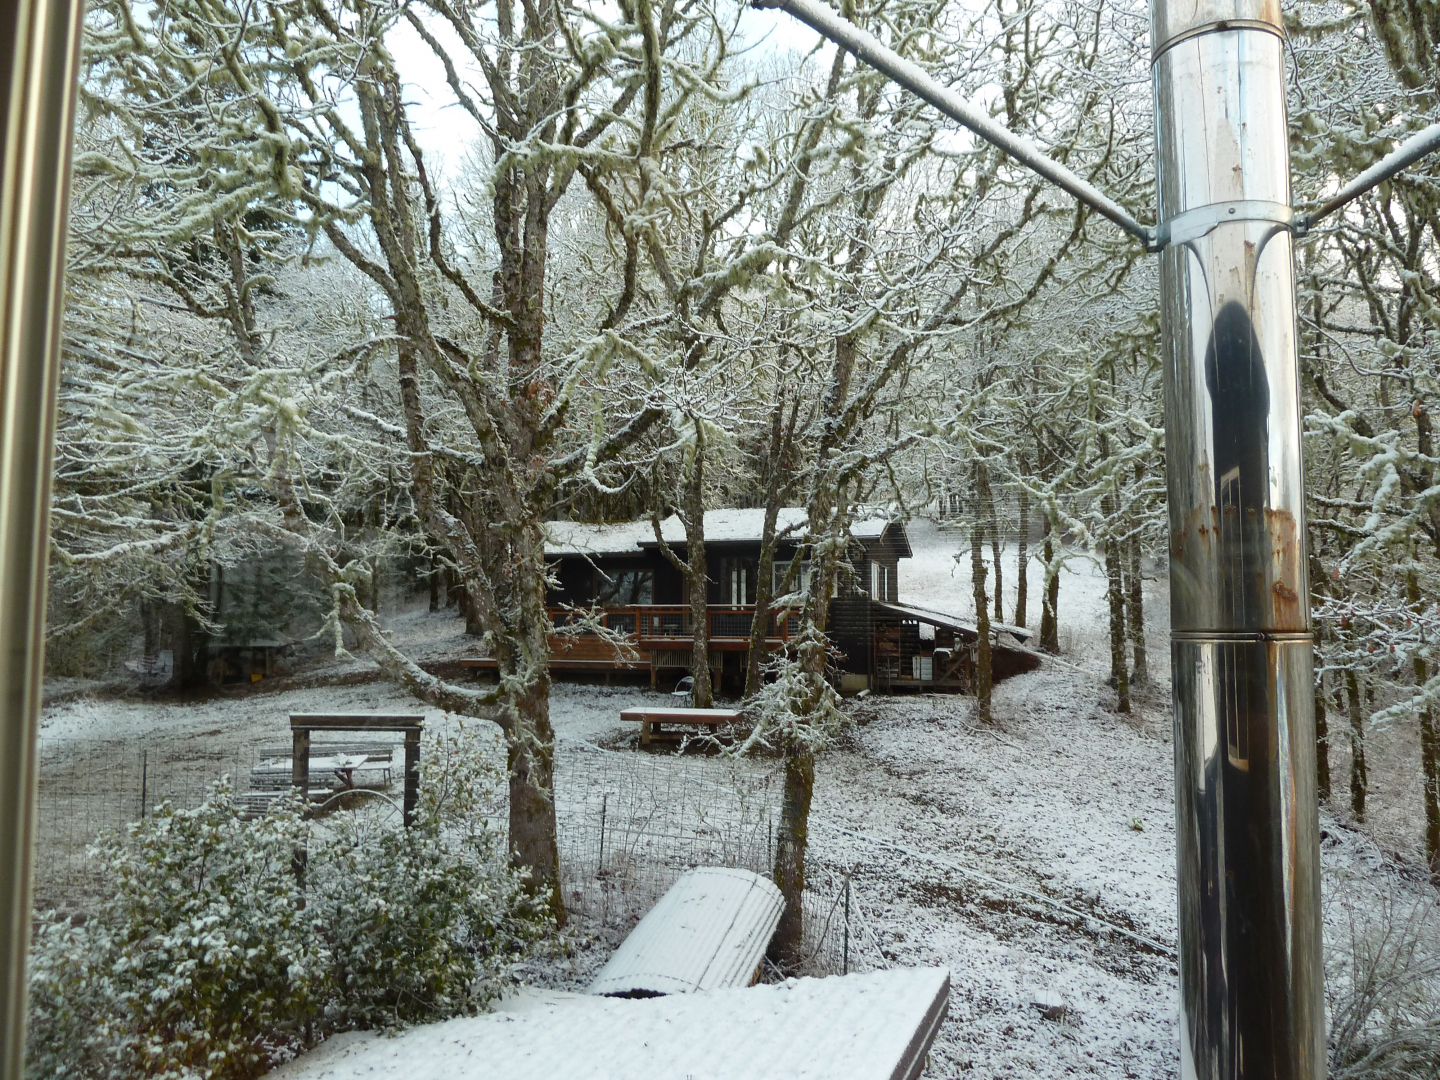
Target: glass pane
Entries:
(621, 588)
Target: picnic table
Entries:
(342, 765)
(652, 719)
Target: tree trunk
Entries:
(1135, 612)
(992, 524)
(828, 533)
(776, 487)
(700, 623)
(1359, 774)
(1430, 787)
(983, 674)
(1050, 604)
(1022, 558)
(1119, 677)
(1322, 743)
(531, 760)
(791, 839)
(764, 593)
(1429, 747)
(435, 587)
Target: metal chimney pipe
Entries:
(1252, 985)
(39, 61)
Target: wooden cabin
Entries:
(620, 569)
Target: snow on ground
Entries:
(1033, 858)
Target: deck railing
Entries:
(673, 622)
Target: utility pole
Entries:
(1251, 981)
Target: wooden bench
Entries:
(650, 720)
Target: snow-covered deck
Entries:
(877, 1026)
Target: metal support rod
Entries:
(1407, 153)
(39, 58)
(1247, 849)
(863, 46)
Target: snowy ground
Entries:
(1037, 855)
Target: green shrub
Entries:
(208, 961)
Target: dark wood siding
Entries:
(850, 631)
(575, 583)
(886, 553)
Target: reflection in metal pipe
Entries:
(1251, 982)
(39, 52)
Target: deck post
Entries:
(300, 761)
(412, 775)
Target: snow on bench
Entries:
(651, 719)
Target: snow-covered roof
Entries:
(582, 538)
(721, 527)
(709, 931)
(874, 1026)
(953, 622)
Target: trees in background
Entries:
(1371, 381)
(669, 274)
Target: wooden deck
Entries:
(659, 636)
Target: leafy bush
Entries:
(208, 960)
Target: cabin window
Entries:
(738, 577)
(622, 588)
(879, 581)
(782, 571)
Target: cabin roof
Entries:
(721, 527)
(950, 622)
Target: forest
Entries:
(364, 291)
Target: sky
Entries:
(445, 131)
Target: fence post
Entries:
(600, 866)
(412, 775)
(845, 961)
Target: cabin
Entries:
(620, 569)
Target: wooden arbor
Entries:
(409, 724)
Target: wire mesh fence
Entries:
(91, 788)
(629, 824)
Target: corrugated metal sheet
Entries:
(708, 932)
(875, 1026)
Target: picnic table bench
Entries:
(651, 719)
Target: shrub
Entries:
(208, 961)
(1385, 1006)
(202, 961)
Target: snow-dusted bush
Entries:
(1385, 995)
(201, 961)
(420, 927)
(208, 960)
(422, 922)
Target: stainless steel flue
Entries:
(39, 59)
(1251, 980)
